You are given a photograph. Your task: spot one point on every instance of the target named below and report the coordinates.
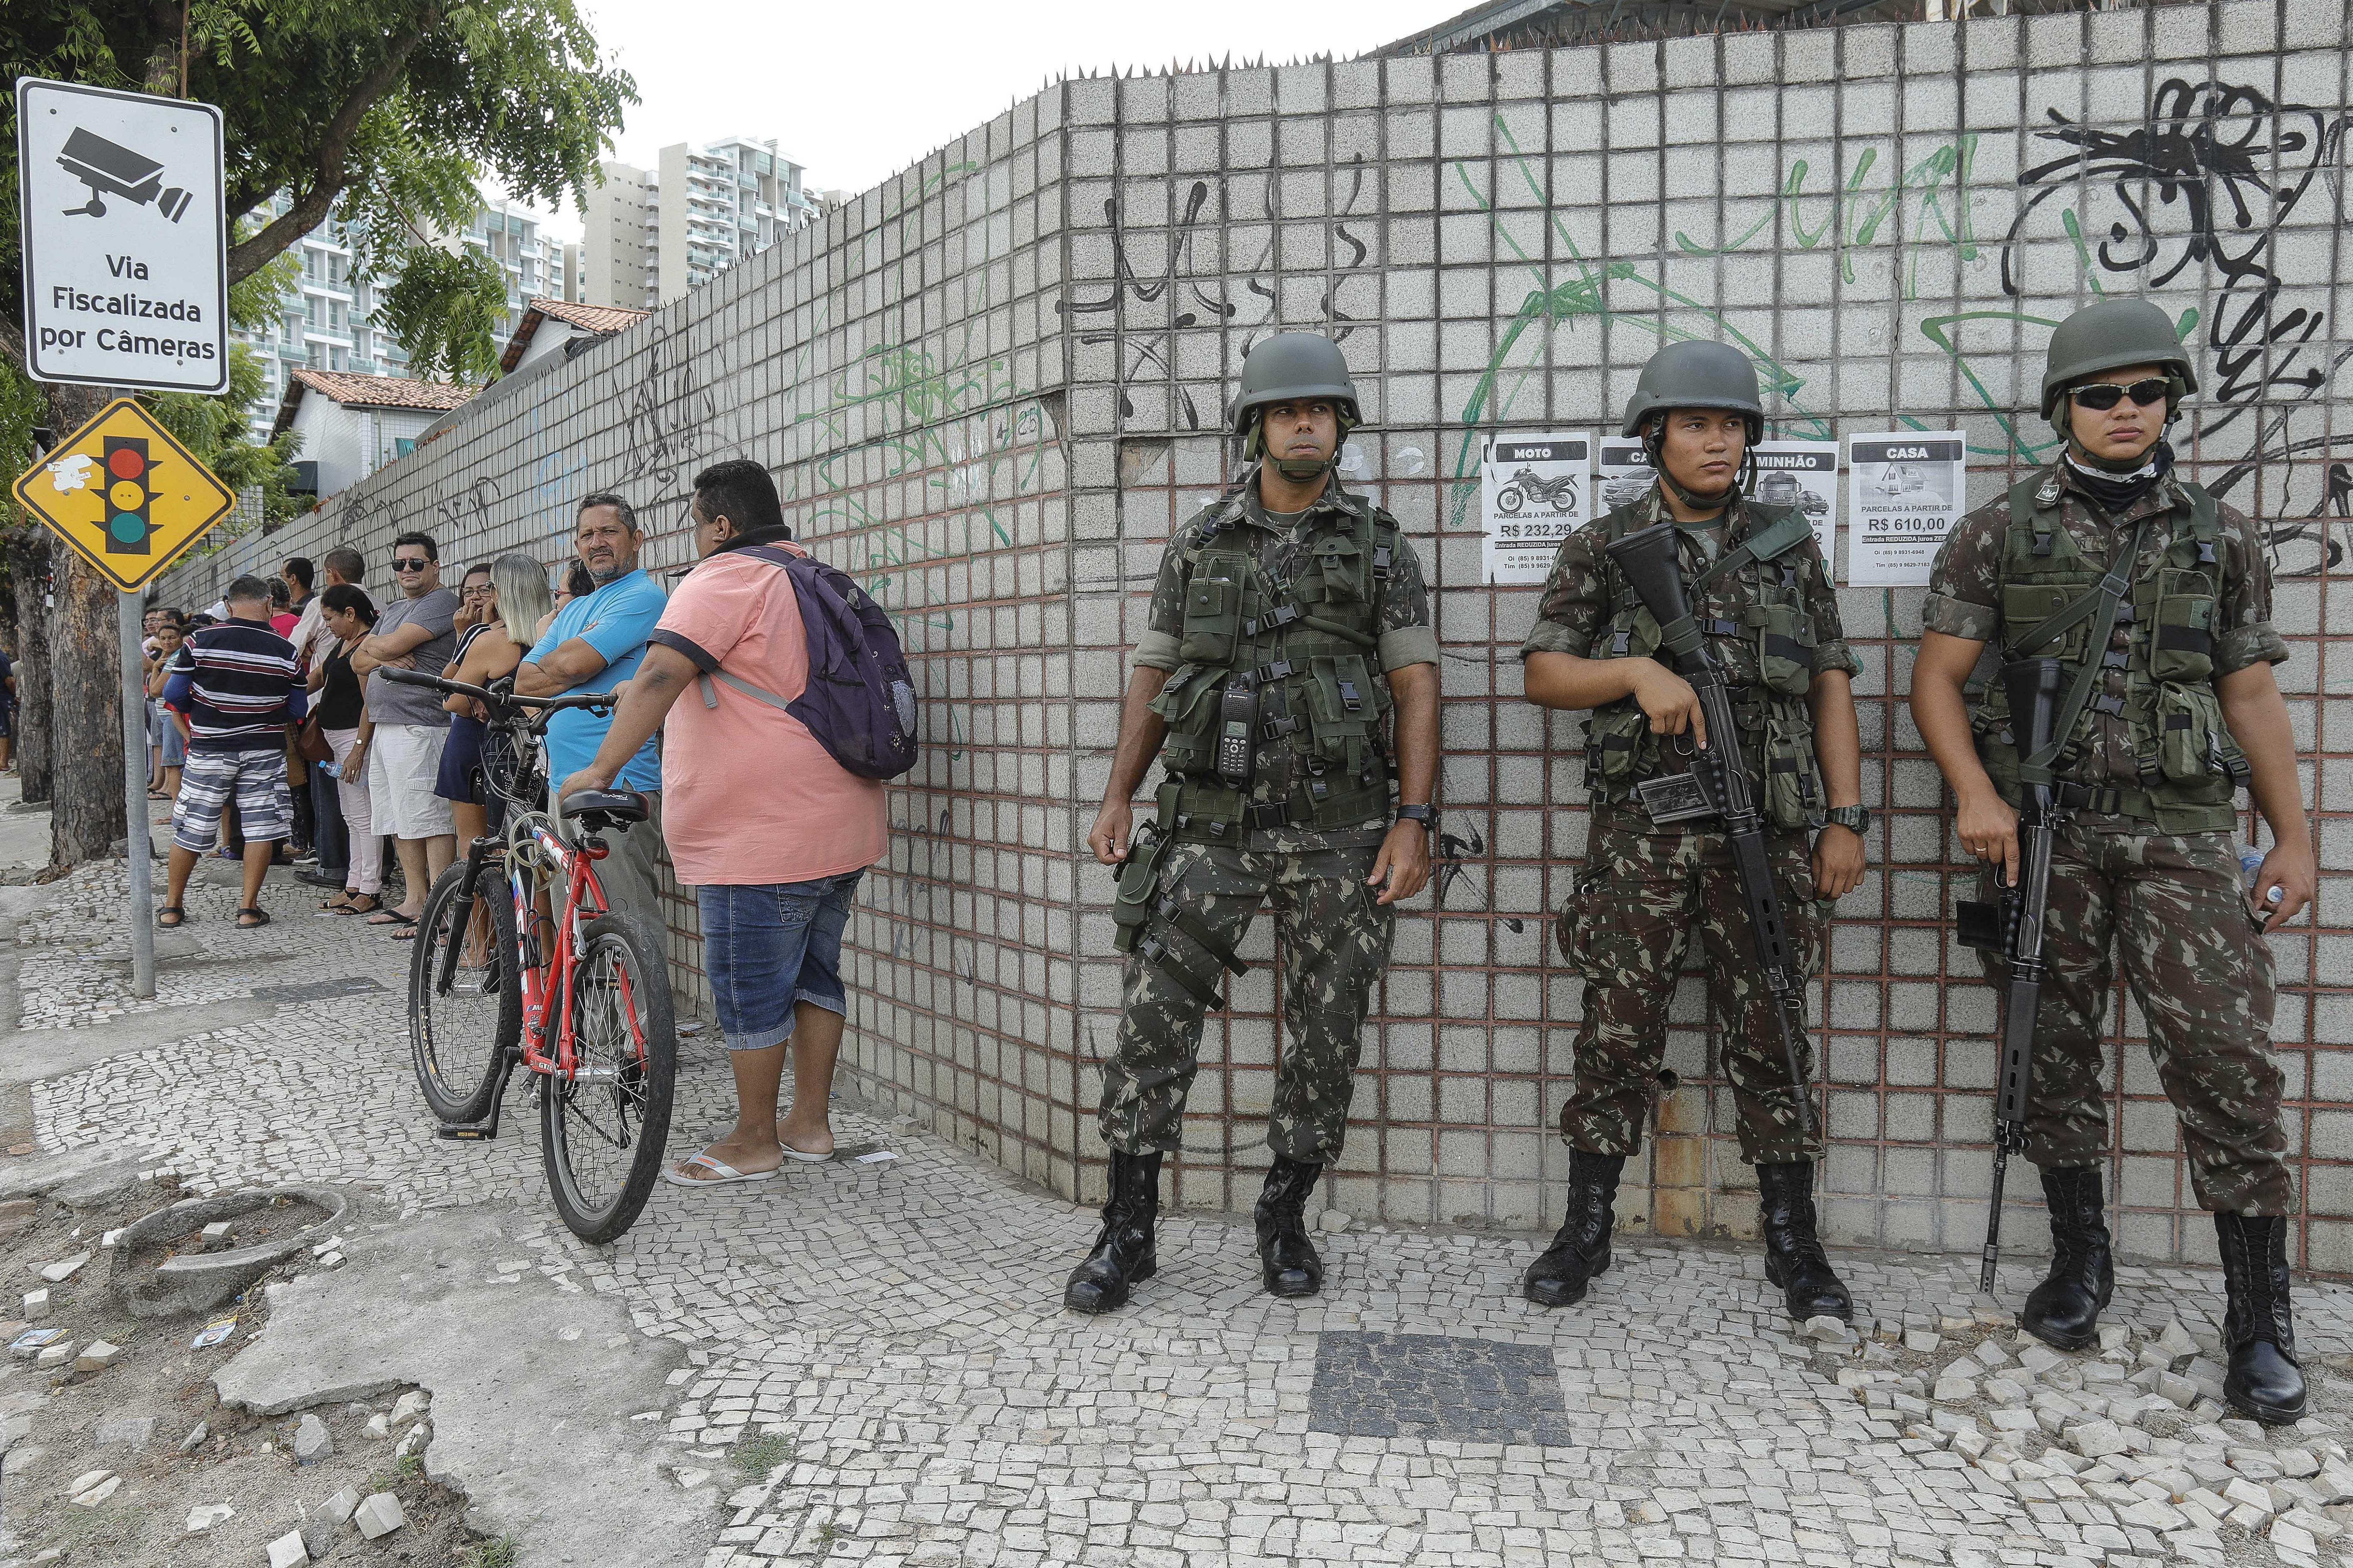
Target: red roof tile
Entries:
(383, 391)
(602, 320)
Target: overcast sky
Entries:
(856, 93)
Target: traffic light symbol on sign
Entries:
(130, 491)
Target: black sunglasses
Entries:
(2104, 394)
(409, 564)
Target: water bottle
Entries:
(2251, 862)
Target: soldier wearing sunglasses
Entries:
(2178, 712)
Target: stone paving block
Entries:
(379, 1515)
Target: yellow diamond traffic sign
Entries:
(125, 494)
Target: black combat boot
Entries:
(2063, 1312)
(1579, 1252)
(1793, 1253)
(1286, 1259)
(1122, 1254)
(2264, 1381)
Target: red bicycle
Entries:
(520, 962)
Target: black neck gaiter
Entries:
(2116, 491)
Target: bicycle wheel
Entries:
(464, 1009)
(603, 1133)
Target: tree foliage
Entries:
(446, 309)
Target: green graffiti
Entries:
(1923, 181)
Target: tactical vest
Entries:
(1308, 650)
(1751, 606)
(2182, 768)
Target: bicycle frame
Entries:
(549, 1040)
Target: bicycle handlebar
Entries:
(497, 698)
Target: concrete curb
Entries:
(199, 1281)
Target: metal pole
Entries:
(136, 845)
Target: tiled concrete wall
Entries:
(993, 386)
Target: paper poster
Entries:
(1535, 490)
(1626, 475)
(1903, 495)
(1802, 474)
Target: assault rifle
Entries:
(2013, 927)
(1720, 786)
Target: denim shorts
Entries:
(767, 947)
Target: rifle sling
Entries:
(1776, 540)
(2100, 607)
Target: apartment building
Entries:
(654, 234)
(326, 322)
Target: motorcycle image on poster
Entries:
(1535, 493)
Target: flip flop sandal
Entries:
(390, 919)
(260, 917)
(179, 917)
(373, 906)
(805, 1159)
(337, 905)
(723, 1173)
(405, 932)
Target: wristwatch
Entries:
(1856, 817)
(1424, 814)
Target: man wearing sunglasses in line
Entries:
(2180, 710)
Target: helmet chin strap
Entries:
(1298, 470)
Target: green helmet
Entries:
(1696, 374)
(1292, 365)
(2109, 335)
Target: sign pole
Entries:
(137, 845)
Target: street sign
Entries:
(125, 240)
(127, 496)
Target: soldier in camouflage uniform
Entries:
(1763, 598)
(2182, 710)
(1289, 619)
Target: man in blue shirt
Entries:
(594, 642)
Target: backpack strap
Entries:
(782, 560)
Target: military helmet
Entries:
(1290, 366)
(2109, 335)
(1696, 373)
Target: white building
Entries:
(351, 426)
(653, 235)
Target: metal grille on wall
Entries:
(991, 386)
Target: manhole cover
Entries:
(316, 990)
(1435, 1387)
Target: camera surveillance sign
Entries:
(125, 244)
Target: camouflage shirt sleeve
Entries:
(1831, 651)
(1964, 585)
(1406, 635)
(1571, 610)
(1164, 624)
(2244, 633)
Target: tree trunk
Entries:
(86, 810)
(29, 566)
(86, 684)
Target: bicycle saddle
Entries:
(612, 805)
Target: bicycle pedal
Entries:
(467, 1131)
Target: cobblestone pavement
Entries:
(895, 1327)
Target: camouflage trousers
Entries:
(2176, 907)
(1642, 893)
(1334, 939)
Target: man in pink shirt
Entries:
(769, 830)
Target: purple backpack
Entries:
(858, 702)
